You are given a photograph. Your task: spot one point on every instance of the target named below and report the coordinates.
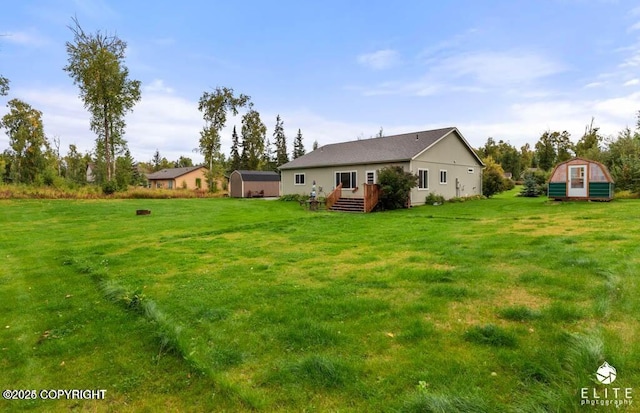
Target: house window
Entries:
(170, 184)
(470, 170)
(348, 179)
(443, 176)
(371, 177)
(298, 179)
(198, 183)
(423, 179)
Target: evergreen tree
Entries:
(298, 146)
(235, 162)
(280, 142)
(315, 145)
(4, 86)
(269, 160)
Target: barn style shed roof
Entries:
(258, 176)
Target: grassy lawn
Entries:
(506, 304)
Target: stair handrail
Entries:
(371, 196)
(333, 197)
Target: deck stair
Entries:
(348, 205)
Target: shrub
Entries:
(109, 187)
(434, 199)
(531, 188)
(493, 180)
(395, 186)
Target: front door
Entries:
(577, 181)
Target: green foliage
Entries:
(395, 186)
(253, 140)
(434, 199)
(280, 142)
(531, 188)
(214, 107)
(491, 335)
(4, 86)
(96, 65)
(493, 180)
(294, 197)
(27, 141)
(109, 187)
(298, 146)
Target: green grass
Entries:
(505, 304)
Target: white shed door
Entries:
(577, 181)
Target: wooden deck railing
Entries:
(371, 195)
(333, 197)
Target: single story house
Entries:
(251, 184)
(190, 177)
(580, 179)
(442, 159)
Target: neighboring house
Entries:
(191, 177)
(580, 178)
(91, 177)
(251, 184)
(443, 160)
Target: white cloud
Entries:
(28, 37)
(632, 82)
(500, 68)
(382, 59)
(634, 27)
(157, 85)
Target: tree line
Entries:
(620, 154)
(96, 64)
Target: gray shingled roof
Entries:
(259, 176)
(172, 173)
(396, 148)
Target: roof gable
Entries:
(387, 149)
(172, 173)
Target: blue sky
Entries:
(339, 70)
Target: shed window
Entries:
(348, 179)
(443, 176)
(423, 179)
(299, 179)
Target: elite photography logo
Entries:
(603, 394)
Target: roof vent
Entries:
(416, 136)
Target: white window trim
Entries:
(446, 176)
(426, 188)
(375, 176)
(348, 172)
(304, 178)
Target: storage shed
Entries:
(581, 179)
(254, 184)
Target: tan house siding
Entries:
(463, 174)
(186, 181)
(325, 179)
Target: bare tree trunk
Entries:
(107, 146)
